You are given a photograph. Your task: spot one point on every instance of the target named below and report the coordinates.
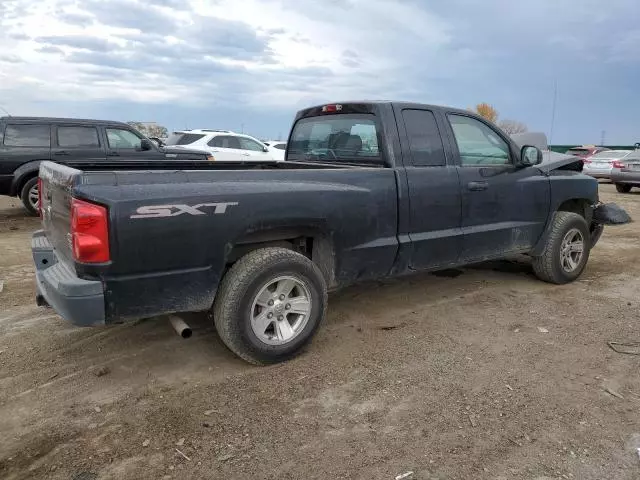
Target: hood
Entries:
(550, 160)
(182, 151)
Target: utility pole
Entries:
(602, 137)
(242, 128)
(553, 109)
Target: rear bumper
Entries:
(78, 301)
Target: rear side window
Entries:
(78, 137)
(223, 141)
(424, 138)
(183, 138)
(342, 137)
(27, 136)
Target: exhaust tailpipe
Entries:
(180, 326)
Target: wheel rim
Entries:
(280, 310)
(572, 250)
(34, 199)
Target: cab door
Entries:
(434, 191)
(504, 205)
(77, 143)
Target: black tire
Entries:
(621, 188)
(232, 309)
(24, 196)
(548, 266)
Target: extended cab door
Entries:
(434, 191)
(504, 206)
(77, 143)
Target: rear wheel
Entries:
(566, 251)
(269, 305)
(621, 188)
(29, 196)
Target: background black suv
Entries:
(84, 144)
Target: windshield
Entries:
(612, 154)
(342, 137)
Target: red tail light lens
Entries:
(40, 197)
(89, 232)
(332, 108)
(617, 164)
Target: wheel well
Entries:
(21, 181)
(580, 206)
(312, 244)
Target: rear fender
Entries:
(22, 174)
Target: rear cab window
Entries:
(25, 135)
(339, 137)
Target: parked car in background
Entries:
(224, 145)
(625, 173)
(277, 148)
(25, 142)
(586, 151)
(600, 164)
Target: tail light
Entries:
(211, 158)
(40, 197)
(332, 108)
(617, 164)
(89, 232)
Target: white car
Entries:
(224, 145)
(601, 164)
(277, 148)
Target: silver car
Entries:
(601, 164)
(625, 173)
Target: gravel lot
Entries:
(483, 373)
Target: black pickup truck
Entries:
(25, 142)
(368, 190)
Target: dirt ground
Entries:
(489, 374)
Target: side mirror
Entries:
(530, 156)
(265, 149)
(146, 144)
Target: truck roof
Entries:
(60, 120)
(401, 103)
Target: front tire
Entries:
(566, 251)
(269, 305)
(29, 196)
(621, 188)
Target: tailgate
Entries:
(56, 184)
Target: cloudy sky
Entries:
(253, 63)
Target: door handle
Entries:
(246, 154)
(477, 186)
(61, 152)
(113, 154)
(214, 150)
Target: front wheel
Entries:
(269, 305)
(566, 251)
(29, 196)
(621, 188)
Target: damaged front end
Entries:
(606, 214)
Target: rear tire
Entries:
(621, 188)
(29, 196)
(254, 317)
(560, 262)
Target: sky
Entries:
(249, 65)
